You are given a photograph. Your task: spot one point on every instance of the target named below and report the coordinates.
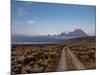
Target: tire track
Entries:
(78, 65)
(62, 63)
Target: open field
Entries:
(86, 53)
(38, 58)
(35, 58)
(84, 50)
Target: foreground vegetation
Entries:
(35, 58)
(86, 53)
(31, 58)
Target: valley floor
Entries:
(51, 58)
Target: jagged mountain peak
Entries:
(76, 32)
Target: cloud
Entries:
(23, 23)
(31, 21)
(22, 11)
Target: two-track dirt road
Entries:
(62, 63)
(78, 65)
(62, 66)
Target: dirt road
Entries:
(62, 66)
(62, 63)
(78, 65)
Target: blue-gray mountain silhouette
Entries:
(51, 38)
(75, 33)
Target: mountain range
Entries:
(50, 38)
(75, 33)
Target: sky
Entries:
(35, 18)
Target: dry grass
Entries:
(35, 58)
(45, 57)
(86, 53)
